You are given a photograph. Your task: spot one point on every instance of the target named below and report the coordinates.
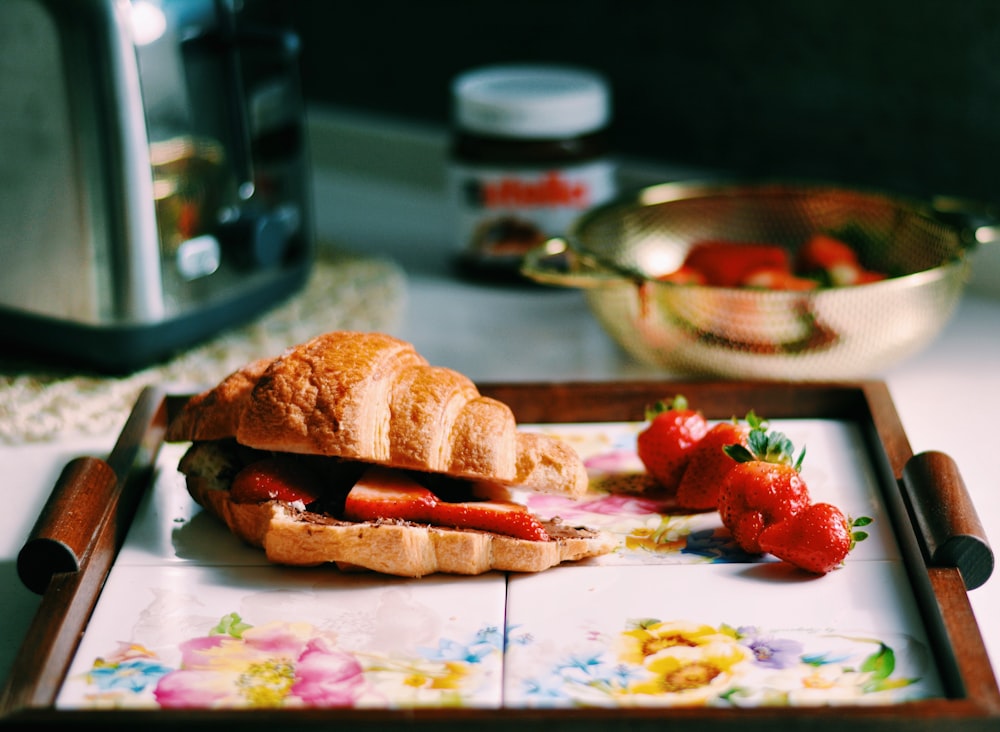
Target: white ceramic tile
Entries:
(837, 470)
(837, 467)
(714, 635)
(274, 636)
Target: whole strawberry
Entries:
(709, 465)
(756, 495)
(665, 445)
(763, 488)
(817, 539)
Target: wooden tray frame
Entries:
(944, 548)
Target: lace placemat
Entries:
(344, 292)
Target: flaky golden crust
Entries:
(215, 414)
(371, 397)
(290, 535)
(329, 396)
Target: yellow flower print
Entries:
(267, 683)
(650, 637)
(449, 675)
(668, 534)
(817, 680)
(685, 663)
(691, 676)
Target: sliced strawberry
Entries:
(501, 517)
(778, 279)
(665, 445)
(279, 478)
(727, 263)
(817, 539)
(385, 494)
(684, 275)
(823, 252)
(866, 276)
(709, 465)
(835, 260)
(852, 274)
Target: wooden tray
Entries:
(73, 547)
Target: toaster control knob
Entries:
(198, 257)
(260, 239)
(268, 240)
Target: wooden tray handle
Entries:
(945, 519)
(92, 494)
(66, 530)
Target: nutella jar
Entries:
(529, 155)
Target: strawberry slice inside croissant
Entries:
(378, 494)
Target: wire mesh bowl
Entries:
(616, 252)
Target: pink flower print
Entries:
(608, 505)
(623, 505)
(273, 665)
(189, 689)
(326, 677)
(617, 461)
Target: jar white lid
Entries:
(540, 102)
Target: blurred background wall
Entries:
(903, 94)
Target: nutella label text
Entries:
(550, 189)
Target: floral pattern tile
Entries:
(721, 636)
(255, 637)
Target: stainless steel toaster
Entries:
(153, 175)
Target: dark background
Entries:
(900, 94)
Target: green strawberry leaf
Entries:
(755, 422)
(774, 447)
(857, 536)
(739, 453)
(799, 459)
(677, 403)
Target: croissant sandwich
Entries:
(351, 449)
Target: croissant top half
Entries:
(371, 397)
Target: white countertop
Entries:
(948, 396)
